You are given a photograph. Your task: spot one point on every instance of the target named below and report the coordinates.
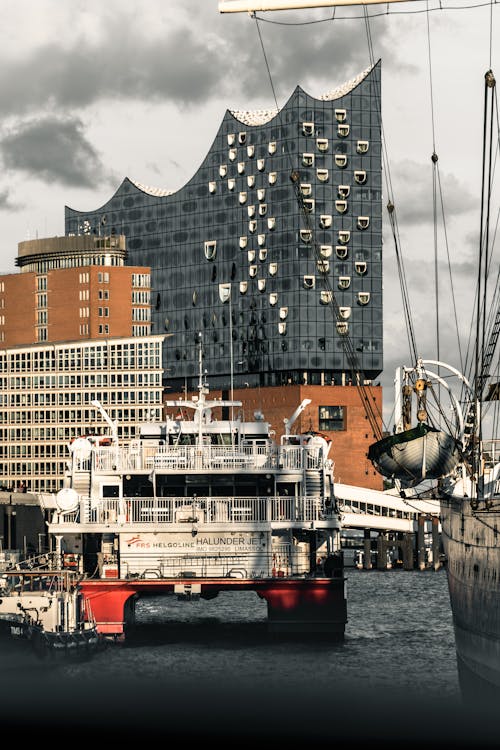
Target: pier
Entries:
(399, 530)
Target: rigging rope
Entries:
(369, 403)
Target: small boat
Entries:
(414, 454)
(43, 611)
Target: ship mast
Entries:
(251, 6)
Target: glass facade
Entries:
(272, 252)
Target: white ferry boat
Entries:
(204, 502)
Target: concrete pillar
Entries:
(382, 551)
(421, 542)
(367, 558)
(407, 547)
(436, 545)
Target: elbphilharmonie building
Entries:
(270, 255)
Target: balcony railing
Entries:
(212, 457)
(237, 511)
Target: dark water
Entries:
(208, 671)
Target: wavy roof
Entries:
(261, 116)
(151, 190)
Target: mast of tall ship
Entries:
(251, 6)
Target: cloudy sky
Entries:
(92, 92)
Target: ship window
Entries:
(231, 184)
(252, 226)
(340, 115)
(309, 205)
(341, 206)
(363, 222)
(305, 188)
(273, 298)
(362, 147)
(233, 153)
(243, 242)
(283, 313)
(282, 328)
(251, 180)
(251, 151)
(261, 194)
(308, 160)
(342, 130)
(326, 297)
(223, 170)
(263, 209)
(341, 160)
(272, 147)
(322, 175)
(305, 235)
(261, 283)
(212, 187)
(243, 287)
(322, 144)
(242, 137)
(325, 251)
(262, 254)
(341, 251)
(243, 197)
(261, 239)
(345, 312)
(344, 236)
(252, 271)
(342, 327)
(363, 298)
(271, 222)
(325, 221)
(309, 282)
(251, 211)
(273, 176)
(241, 167)
(273, 269)
(344, 281)
(251, 256)
(343, 191)
(332, 418)
(360, 176)
(261, 163)
(231, 139)
(307, 128)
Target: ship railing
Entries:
(208, 457)
(491, 453)
(27, 581)
(205, 510)
(284, 560)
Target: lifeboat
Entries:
(414, 455)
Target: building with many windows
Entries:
(272, 250)
(81, 334)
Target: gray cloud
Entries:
(122, 65)
(414, 193)
(53, 150)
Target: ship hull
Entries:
(473, 570)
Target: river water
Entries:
(208, 671)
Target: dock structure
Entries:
(398, 529)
